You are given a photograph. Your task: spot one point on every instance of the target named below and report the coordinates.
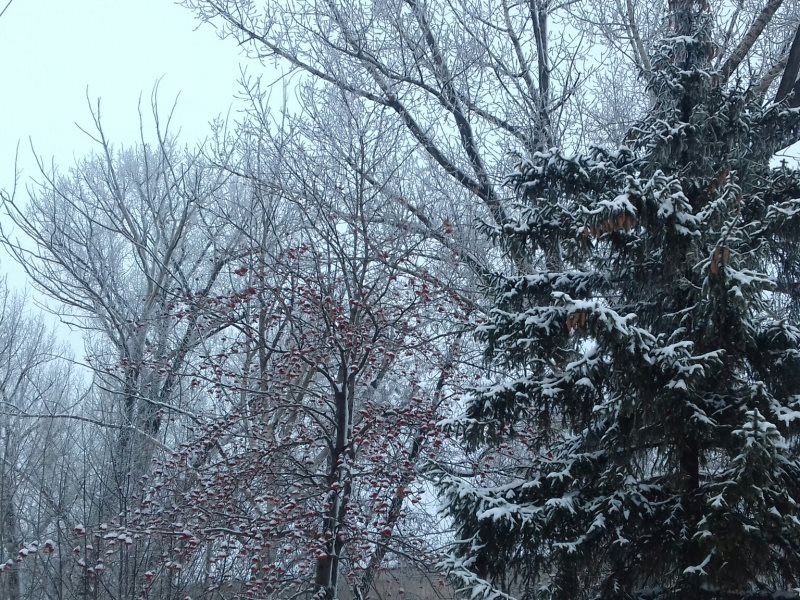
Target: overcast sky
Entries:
(52, 51)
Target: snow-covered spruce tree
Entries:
(652, 342)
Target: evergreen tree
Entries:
(652, 342)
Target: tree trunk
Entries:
(9, 582)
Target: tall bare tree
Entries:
(33, 382)
(467, 82)
(114, 244)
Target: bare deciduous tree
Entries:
(114, 244)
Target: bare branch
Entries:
(5, 8)
(792, 62)
(749, 39)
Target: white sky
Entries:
(52, 51)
